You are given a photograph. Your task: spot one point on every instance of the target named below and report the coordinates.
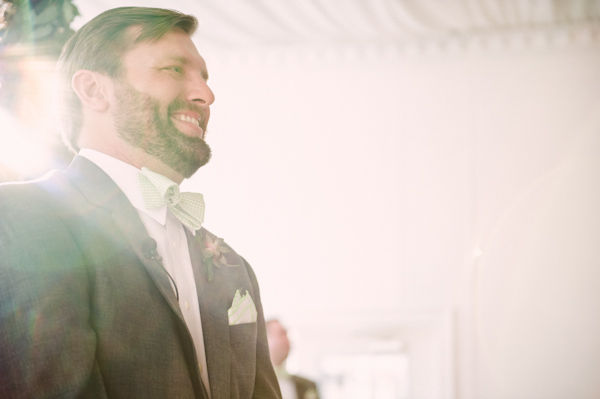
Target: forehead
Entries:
(173, 46)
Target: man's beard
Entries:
(138, 121)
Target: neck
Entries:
(135, 157)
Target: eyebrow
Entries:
(182, 61)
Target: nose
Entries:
(199, 92)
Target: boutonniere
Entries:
(213, 251)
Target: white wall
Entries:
(538, 277)
(362, 184)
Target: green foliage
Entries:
(37, 22)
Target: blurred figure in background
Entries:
(292, 386)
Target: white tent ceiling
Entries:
(241, 24)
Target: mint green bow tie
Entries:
(158, 190)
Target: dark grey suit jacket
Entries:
(86, 313)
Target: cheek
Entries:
(163, 95)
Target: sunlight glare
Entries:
(19, 150)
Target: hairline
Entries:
(136, 41)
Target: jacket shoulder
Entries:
(33, 193)
(33, 210)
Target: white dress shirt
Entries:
(171, 242)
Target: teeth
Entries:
(186, 118)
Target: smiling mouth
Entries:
(187, 118)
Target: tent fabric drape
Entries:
(242, 23)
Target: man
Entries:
(109, 287)
(292, 386)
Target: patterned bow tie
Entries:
(157, 190)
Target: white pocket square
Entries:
(242, 310)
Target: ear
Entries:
(90, 87)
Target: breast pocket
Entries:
(242, 338)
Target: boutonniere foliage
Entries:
(213, 251)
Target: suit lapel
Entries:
(214, 302)
(100, 190)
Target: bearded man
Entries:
(109, 285)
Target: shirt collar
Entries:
(281, 372)
(125, 177)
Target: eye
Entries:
(175, 68)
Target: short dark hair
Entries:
(99, 46)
